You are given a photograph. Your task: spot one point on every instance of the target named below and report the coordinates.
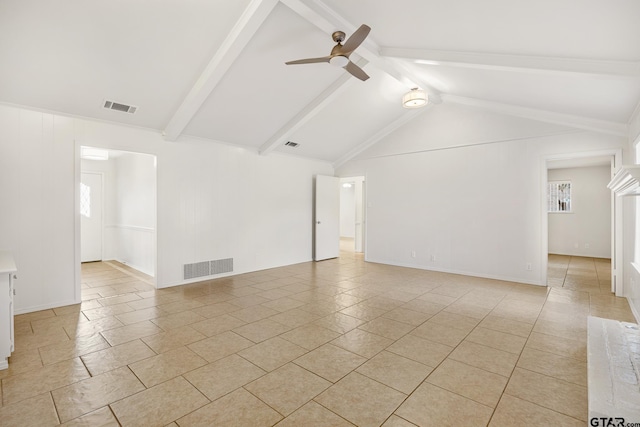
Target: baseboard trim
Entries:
(462, 273)
(26, 310)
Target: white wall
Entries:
(464, 187)
(135, 222)
(586, 231)
(214, 201)
(37, 205)
(347, 211)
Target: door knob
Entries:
(317, 222)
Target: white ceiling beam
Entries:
(406, 117)
(250, 21)
(310, 111)
(585, 123)
(494, 61)
(322, 16)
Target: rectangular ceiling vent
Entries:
(112, 105)
(291, 144)
(208, 268)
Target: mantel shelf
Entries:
(626, 181)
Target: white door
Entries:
(91, 217)
(327, 218)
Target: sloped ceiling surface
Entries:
(259, 93)
(216, 69)
(68, 56)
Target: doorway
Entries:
(352, 214)
(117, 205)
(590, 227)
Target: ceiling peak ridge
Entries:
(515, 62)
(579, 122)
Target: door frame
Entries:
(617, 282)
(76, 209)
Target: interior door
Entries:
(91, 217)
(327, 218)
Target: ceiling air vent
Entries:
(291, 144)
(112, 105)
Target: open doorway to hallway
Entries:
(580, 221)
(352, 214)
(117, 204)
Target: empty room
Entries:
(319, 213)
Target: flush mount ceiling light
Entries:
(415, 98)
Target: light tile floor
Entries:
(336, 343)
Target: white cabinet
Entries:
(7, 273)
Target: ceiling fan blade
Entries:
(309, 60)
(355, 40)
(356, 71)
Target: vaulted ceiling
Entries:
(215, 68)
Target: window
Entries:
(559, 196)
(85, 200)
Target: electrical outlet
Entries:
(413, 254)
(433, 258)
(528, 266)
(587, 245)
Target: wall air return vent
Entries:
(208, 268)
(112, 105)
(291, 144)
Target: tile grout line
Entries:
(516, 366)
(519, 356)
(55, 407)
(363, 284)
(441, 362)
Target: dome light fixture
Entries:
(339, 61)
(415, 98)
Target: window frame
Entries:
(551, 201)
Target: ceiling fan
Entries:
(340, 53)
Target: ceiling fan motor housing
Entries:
(338, 36)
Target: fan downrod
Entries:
(338, 36)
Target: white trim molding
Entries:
(626, 181)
